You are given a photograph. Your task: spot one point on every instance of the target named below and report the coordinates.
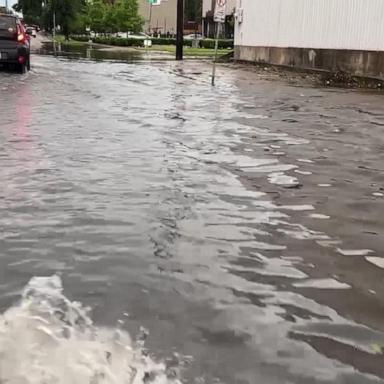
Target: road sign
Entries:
(220, 11)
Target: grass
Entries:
(171, 49)
(195, 52)
(61, 39)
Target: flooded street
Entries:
(238, 229)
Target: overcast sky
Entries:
(10, 2)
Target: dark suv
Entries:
(14, 43)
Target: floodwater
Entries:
(157, 230)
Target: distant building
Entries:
(159, 18)
(335, 35)
(208, 25)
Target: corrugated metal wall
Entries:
(332, 24)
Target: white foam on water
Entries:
(328, 243)
(378, 261)
(280, 178)
(319, 216)
(302, 233)
(322, 284)
(48, 339)
(305, 173)
(304, 207)
(305, 160)
(354, 252)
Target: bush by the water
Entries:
(122, 42)
(80, 38)
(118, 41)
(210, 44)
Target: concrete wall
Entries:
(346, 35)
(163, 16)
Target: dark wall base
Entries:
(357, 63)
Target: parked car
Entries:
(194, 36)
(139, 36)
(31, 31)
(14, 43)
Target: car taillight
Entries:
(20, 35)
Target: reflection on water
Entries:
(92, 52)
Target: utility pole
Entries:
(180, 30)
(6, 6)
(216, 48)
(150, 17)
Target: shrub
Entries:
(163, 41)
(169, 41)
(210, 44)
(122, 42)
(80, 38)
(118, 41)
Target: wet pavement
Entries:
(241, 225)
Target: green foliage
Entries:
(74, 16)
(193, 10)
(66, 13)
(116, 16)
(31, 9)
(163, 41)
(127, 16)
(81, 38)
(118, 41)
(122, 42)
(210, 44)
(95, 15)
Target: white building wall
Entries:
(329, 24)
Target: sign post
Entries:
(219, 19)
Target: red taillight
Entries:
(21, 37)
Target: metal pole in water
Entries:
(150, 17)
(54, 26)
(216, 49)
(54, 34)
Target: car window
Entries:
(7, 24)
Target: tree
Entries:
(96, 12)
(32, 10)
(127, 16)
(66, 13)
(110, 16)
(102, 16)
(193, 10)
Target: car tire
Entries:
(22, 68)
(29, 64)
